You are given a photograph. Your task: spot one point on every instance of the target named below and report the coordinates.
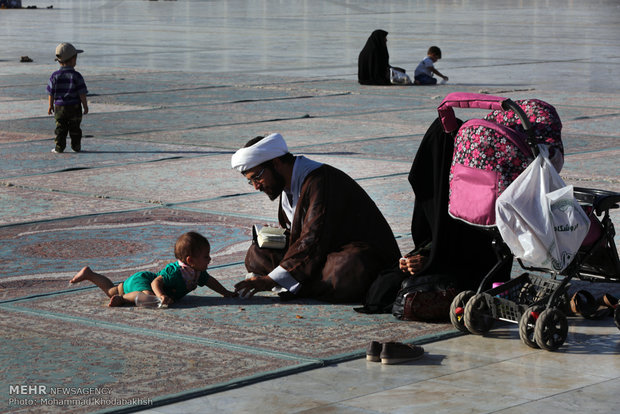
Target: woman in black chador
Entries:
(373, 66)
(455, 249)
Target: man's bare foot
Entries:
(116, 301)
(84, 274)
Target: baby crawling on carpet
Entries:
(173, 282)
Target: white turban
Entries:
(268, 148)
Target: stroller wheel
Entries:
(478, 318)
(551, 329)
(457, 310)
(527, 325)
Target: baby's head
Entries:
(194, 250)
(434, 53)
(66, 54)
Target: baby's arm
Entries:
(50, 109)
(84, 104)
(157, 286)
(216, 286)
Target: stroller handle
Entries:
(525, 122)
(482, 101)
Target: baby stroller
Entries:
(489, 154)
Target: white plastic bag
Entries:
(399, 78)
(539, 218)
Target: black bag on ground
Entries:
(381, 294)
(425, 298)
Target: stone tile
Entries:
(600, 398)
(436, 397)
(519, 379)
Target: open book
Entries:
(270, 237)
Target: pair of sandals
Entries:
(583, 303)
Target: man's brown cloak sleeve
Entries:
(333, 211)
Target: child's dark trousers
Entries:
(68, 119)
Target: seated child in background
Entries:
(173, 282)
(423, 74)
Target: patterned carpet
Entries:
(115, 244)
(160, 171)
(125, 364)
(203, 344)
(61, 335)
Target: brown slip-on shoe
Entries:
(397, 352)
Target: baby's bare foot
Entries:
(116, 301)
(83, 274)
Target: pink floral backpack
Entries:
(489, 153)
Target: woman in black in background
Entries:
(373, 66)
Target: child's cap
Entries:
(66, 51)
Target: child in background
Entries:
(173, 282)
(423, 74)
(67, 97)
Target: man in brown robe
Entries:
(338, 240)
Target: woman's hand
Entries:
(412, 264)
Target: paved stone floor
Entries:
(198, 78)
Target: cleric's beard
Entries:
(276, 189)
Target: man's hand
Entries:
(248, 287)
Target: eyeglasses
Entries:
(256, 178)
